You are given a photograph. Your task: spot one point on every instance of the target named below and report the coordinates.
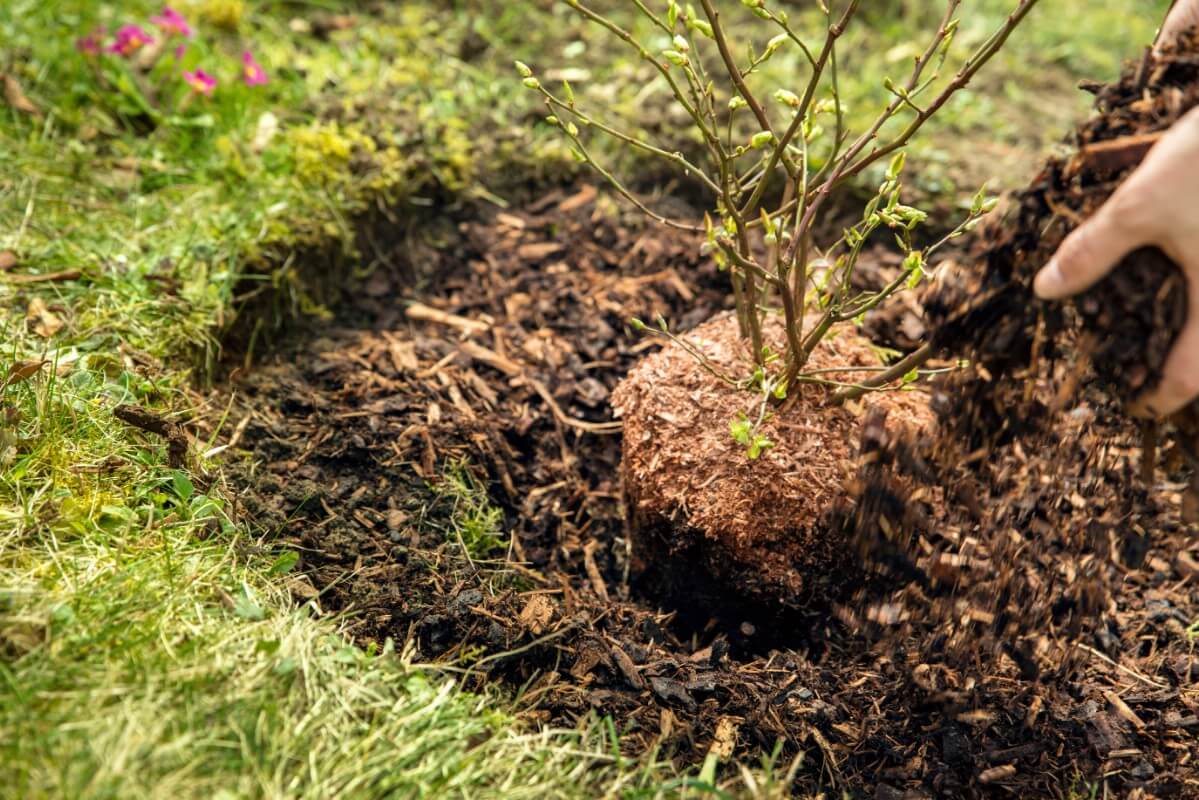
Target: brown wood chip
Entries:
(45, 277)
(539, 251)
(1123, 710)
(593, 573)
(579, 199)
(424, 313)
(537, 613)
(627, 668)
(1115, 155)
(996, 774)
(1186, 564)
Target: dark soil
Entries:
(1027, 637)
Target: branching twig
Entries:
(892, 373)
(767, 251)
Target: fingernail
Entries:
(1049, 281)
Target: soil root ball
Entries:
(712, 528)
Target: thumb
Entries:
(1183, 15)
(1086, 255)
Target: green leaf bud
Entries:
(787, 98)
(761, 139)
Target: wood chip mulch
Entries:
(1030, 636)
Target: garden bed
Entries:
(506, 365)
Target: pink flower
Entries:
(171, 21)
(200, 81)
(180, 51)
(130, 39)
(90, 45)
(252, 72)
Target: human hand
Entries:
(1183, 15)
(1158, 204)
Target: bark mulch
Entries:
(1026, 637)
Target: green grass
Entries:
(476, 524)
(149, 646)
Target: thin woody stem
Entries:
(964, 76)
(748, 264)
(734, 71)
(627, 194)
(741, 178)
(675, 158)
(780, 148)
(895, 372)
(629, 39)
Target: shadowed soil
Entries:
(1025, 621)
(508, 361)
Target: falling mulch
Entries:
(1060, 540)
(1025, 631)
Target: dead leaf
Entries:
(537, 613)
(15, 96)
(725, 740)
(8, 446)
(302, 588)
(8, 260)
(41, 319)
(23, 371)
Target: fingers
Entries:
(1086, 255)
(1180, 375)
(1183, 15)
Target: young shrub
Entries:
(772, 156)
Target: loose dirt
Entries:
(1027, 636)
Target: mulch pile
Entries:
(1026, 637)
(1055, 506)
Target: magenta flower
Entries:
(130, 39)
(200, 81)
(252, 72)
(171, 21)
(90, 45)
(180, 51)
